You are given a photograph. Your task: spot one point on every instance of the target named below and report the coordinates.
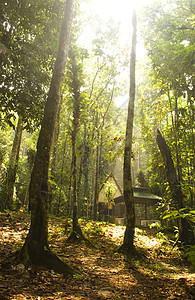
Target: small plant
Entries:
(161, 236)
(185, 212)
(140, 231)
(155, 225)
(190, 255)
(109, 192)
(91, 228)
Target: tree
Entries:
(76, 82)
(141, 180)
(109, 191)
(27, 63)
(9, 183)
(186, 234)
(99, 88)
(128, 246)
(99, 150)
(36, 248)
(168, 31)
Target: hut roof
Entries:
(118, 192)
(141, 196)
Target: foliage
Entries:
(109, 191)
(166, 95)
(27, 63)
(185, 212)
(100, 119)
(189, 252)
(141, 179)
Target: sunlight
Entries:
(119, 10)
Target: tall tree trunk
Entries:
(101, 173)
(74, 190)
(13, 165)
(76, 233)
(98, 173)
(186, 234)
(76, 120)
(79, 184)
(68, 207)
(53, 158)
(36, 248)
(97, 176)
(191, 112)
(128, 245)
(174, 119)
(86, 159)
(57, 211)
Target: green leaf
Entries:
(77, 275)
(52, 182)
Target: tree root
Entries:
(127, 249)
(130, 255)
(51, 261)
(77, 236)
(44, 258)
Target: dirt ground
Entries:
(159, 273)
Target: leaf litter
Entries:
(160, 272)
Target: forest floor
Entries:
(159, 273)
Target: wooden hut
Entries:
(114, 210)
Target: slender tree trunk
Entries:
(174, 125)
(128, 245)
(61, 179)
(98, 173)
(74, 185)
(86, 160)
(76, 121)
(53, 159)
(68, 207)
(36, 248)
(13, 165)
(191, 112)
(101, 136)
(76, 233)
(96, 191)
(186, 234)
(79, 185)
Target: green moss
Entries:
(24, 256)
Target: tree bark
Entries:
(186, 234)
(128, 245)
(57, 211)
(76, 234)
(68, 207)
(86, 159)
(36, 248)
(191, 112)
(97, 177)
(13, 165)
(74, 180)
(174, 119)
(54, 154)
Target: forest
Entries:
(97, 149)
